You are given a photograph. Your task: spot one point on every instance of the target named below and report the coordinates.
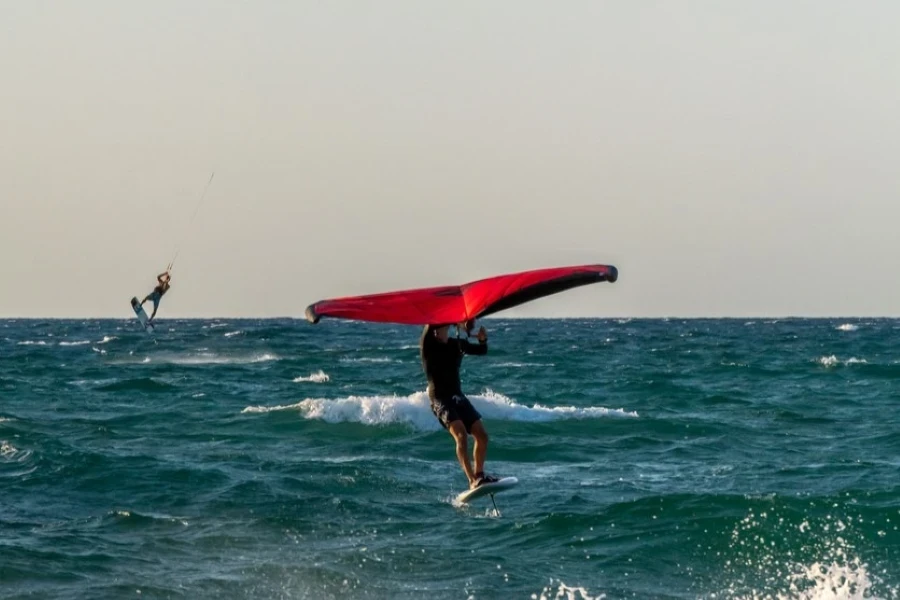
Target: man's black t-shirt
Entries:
(441, 363)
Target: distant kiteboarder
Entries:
(164, 279)
(163, 284)
(441, 359)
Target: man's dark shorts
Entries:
(457, 408)
(155, 296)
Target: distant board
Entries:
(487, 489)
(141, 315)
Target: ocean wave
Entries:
(203, 358)
(415, 410)
(107, 339)
(847, 327)
(366, 359)
(522, 364)
(144, 384)
(91, 382)
(32, 343)
(317, 377)
(134, 518)
(78, 343)
(227, 360)
(10, 453)
(735, 364)
(411, 410)
(834, 361)
(233, 333)
(497, 406)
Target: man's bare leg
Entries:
(481, 445)
(458, 431)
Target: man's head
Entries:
(441, 332)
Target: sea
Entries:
(658, 459)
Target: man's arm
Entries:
(478, 349)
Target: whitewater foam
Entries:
(369, 360)
(828, 361)
(497, 406)
(834, 361)
(205, 358)
(415, 410)
(317, 377)
(835, 573)
(10, 453)
(565, 592)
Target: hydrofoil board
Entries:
(487, 488)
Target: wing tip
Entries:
(613, 274)
(311, 315)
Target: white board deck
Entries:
(487, 488)
(141, 315)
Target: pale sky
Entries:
(730, 158)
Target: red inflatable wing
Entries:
(455, 304)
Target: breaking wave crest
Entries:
(415, 410)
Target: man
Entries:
(158, 292)
(441, 358)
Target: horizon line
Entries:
(488, 318)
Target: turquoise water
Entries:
(276, 459)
